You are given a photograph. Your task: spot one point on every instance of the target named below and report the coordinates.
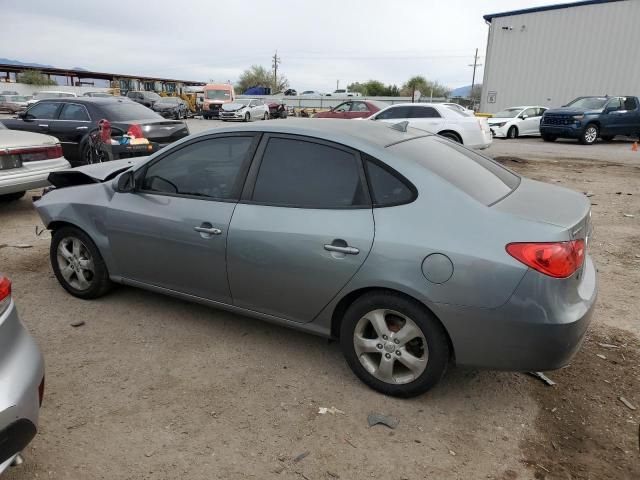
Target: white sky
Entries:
(319, 41)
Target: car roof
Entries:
(87, 100)
(358, 134)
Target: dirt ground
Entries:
(155, 388)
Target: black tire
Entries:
(266, 116)
(11, 197)
(589, 135)
(512, 132)
(607, 138)
(451, 136)
(176, 116)
(99, 282)
(549, 138)
(247, 117)
(437, 352)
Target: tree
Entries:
(374, 88)
(426, 87)
(35, 77)
(258, 76)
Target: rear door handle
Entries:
(345, 250)
(81, 128)
(209, 230)
(43, 125)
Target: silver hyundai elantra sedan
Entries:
(411, 249)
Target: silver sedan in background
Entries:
(21, 381)
(411, 249)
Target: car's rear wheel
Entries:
(10, 197)
(452, 136)
(77, 263)
(247, 117)
(394, 344)
(589, 135)
(512, 132)
(549, 138)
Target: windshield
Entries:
(589, 103)
(125, 110)
(508, 113)
(217, 94)
(152, 96)
(480, 177)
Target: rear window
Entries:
(480, 177)
(123, 111)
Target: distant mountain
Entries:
(9, 61)
(463, 92)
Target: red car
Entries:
(353, 109)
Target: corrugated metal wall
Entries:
(551, 57)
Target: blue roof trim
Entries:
(558, 6)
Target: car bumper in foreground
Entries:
(21, 381)
(30, 175)
(540, 328)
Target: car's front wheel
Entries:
(247, 117)
(266, 116)
(77, 263)
(589, 135)
(512, 132)
(394, 344)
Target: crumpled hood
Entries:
(494, 120)
(95, 173)
(232, 107)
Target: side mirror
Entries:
(125, 183)
(610, 109)
(24, 115)
(524, 116)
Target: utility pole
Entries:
(475, 65)
(274, 65)
(337, 84)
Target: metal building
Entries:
(551, 55)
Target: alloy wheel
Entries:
(75, 263)
(390, 346)
(590, 134)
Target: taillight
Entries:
(556, 259)
(34, 154)
(5, 293)
(135, 131)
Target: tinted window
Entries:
(72, 111)
(386, 189)
(304, 174)
(44, 110)
(123, 111)
(423, 112)
(211, 168)
(629, 103)
(614, 104)
(480, 177)
(541, 111)
(397, 112)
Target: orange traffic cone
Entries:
(634, 147)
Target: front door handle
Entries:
(81, 128)
(346, 250)
(43, 125)
(208, 230)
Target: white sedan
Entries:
(245, 109)
(472, 132)
(516, 121)
(26, 159)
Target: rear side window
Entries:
(386, 188)
(72, 111)
(482, 178)
(423, 112)
(300, 173)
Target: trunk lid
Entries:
(162, 131)
(544, 203)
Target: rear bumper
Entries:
(541, 327)
(29, 176)
(21, 374)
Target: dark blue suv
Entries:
(587, 118)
